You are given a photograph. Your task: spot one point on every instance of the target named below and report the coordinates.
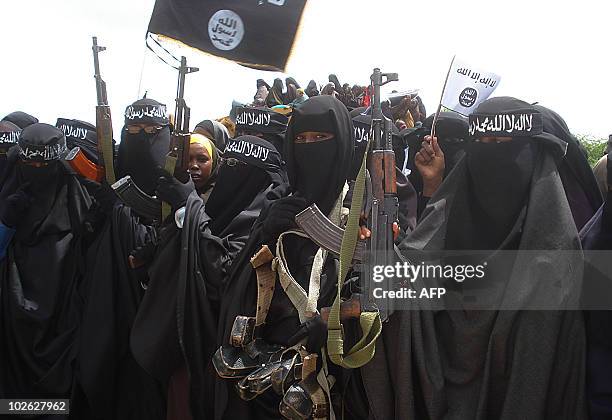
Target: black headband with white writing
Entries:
(43, 153)
(506, 124)
(9, 138)
(253, 151)
(261, 121)
(146, 114)
(361, 130)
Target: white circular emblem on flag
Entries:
(225, 29)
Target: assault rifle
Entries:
(381, 209)
(177, 161)
(104, 124)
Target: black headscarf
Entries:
(325, 163)
(499, 174)
(272, 125)
(275, 96)
(219, 133)
(312, 89)
(140, 154)
(291, 81)
(146, 111)
(262, 82)
(9, 134)
(80, 134)
(20, 119)
(578, 179)
(238, 185)
(41, 143)
(337, 85)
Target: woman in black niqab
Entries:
(465, 362)
(41, 278)
(275, 95)
(312, 89)
(174, 333)
(139, 154)
(317, 172)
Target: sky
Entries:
(552, 52)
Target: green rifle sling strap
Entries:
(170, 166)
(371, 326)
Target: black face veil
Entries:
(251, 166)
(319, 170)
(498, 174)
(140, 154)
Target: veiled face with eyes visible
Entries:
(494, 139)
(312, 137)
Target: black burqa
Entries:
(20, 119)
(320, 183)
(176, 324)
(458, 364)
(312, 89)
(275, 94)
(113, 385)
(576, 174)
(41, 279)
(139, 155)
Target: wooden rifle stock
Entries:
(349, 309)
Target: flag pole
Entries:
(437, 114)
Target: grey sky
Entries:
(553, 52)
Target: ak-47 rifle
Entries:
(104, 124)
(177, 161)
(382, 205)
(385, 206)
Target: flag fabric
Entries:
(254, 33)
(467, 86)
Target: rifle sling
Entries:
(371, 326)
(170, 166)
(266, 280)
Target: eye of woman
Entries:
(203, 158)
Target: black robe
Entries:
(176, 323)
(282, 321)
(112, 384)
(488, 364)
(596, 236)
(578, 179)
(41, 293)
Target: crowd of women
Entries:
(217, 311)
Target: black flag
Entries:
(254, 33)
